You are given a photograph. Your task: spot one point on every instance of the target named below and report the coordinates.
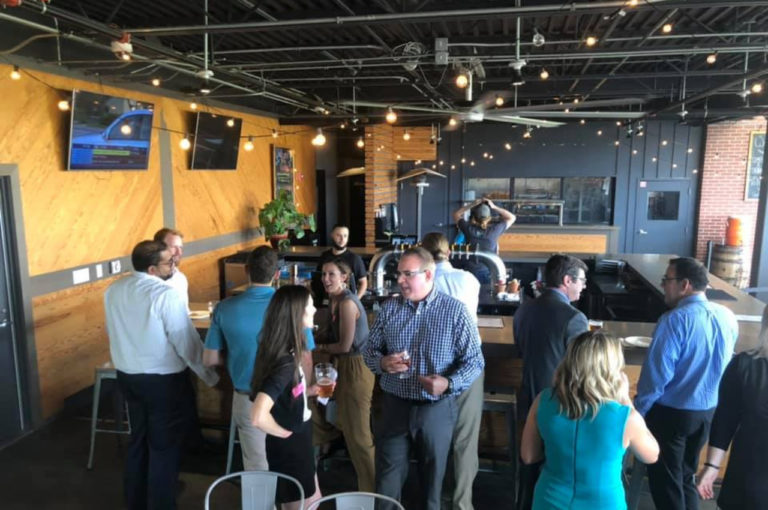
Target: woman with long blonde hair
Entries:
(585, 423)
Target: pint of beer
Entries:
(595, 325)
(325, 376)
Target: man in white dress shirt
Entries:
(463, 286)
(153, 344)
(174, 240)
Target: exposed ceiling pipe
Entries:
(438, 15)
(252, 51)
(666, 37)
(226, 78)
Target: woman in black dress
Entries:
(741, 417)
(279, 393)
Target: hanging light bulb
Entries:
(274, 133)
(757, 87)
(499, 101)
(508, 146)
(319, 139)
(230, 122)
(343, 125)
(391, 116)
(527, 133)
(360, 143)
(632, 3)
(63, 105)
(126, 129)
(599, 132)
(667, 28)
(452, 122)
(406, 135)
(582, 122)
(193, 106)
(591, 40)
(712, 58)
(156, 82)
(462, 80)
(248, 145)
(544, 74)
(16, 74)
(185, 144)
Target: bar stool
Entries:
(104, 372)
(507, 404)
(233, 438)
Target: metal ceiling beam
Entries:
(428, 16)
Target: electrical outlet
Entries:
(99, 271)
(114, 267)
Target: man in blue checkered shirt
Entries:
(427, 348)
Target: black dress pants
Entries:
(681, 435)
(161, 414)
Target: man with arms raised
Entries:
(677, 390)
(543, 328)
(234, 337)
(153, 343)
(426, 347)
(174, 240)
(463, 286)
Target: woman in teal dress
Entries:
(582, 426)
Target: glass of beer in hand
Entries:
(325, 376)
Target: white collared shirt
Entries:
(179, 282)
(459, 284)
(149, 329)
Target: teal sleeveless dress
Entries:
(582, 466)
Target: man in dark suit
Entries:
(543, 328)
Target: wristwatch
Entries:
(449, 390)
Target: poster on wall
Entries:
(755, 165)
(283, 165)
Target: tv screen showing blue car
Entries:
(109, 133)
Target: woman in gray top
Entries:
(354, 387)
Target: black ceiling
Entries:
(305, 60)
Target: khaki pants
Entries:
(466, 435)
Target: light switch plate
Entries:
(81, 275)
(99, 271)
(114, 267)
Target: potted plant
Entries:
(279, 216)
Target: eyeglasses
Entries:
(665, 279)
(582, 279)
(169, 263)
(409, 274)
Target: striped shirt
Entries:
(439, 334)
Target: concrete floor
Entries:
(46, 469)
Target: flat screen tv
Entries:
(109, 133)
(217, 140)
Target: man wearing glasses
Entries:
(153, 345)
(677, 389)
(543, 328)
(426, 347)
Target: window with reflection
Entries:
(588, 200)
(663, 205)
(537, 188)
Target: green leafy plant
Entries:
(280, 215)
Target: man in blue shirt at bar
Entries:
(234, 337)
(427, 348)
(677, 389)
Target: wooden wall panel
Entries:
(418, 147)
(552, 243)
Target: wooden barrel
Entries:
(727, 262)
(734, 231)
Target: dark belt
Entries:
(243, 392)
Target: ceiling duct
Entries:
(411, 51)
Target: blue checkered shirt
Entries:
(440, 336)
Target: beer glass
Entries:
(325, 376)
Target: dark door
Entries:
(10, 397)
(663, 221)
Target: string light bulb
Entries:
(632, 3)
(156, 82)
(319, 139)
(544, 74)
(248, 145)
(274, 133)
(757, 87)
(63, 105)
(462, 80)
(582, 122)
(406, 135)
(193, 106)
(667, 28)
(452, 122)
(360, 143)
(591, 40)
(499, 100)
(230, 122)
(185, 144)
(527, 133)
(391, 116)
(15, 73)
(711, 58)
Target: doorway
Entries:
(663, 222)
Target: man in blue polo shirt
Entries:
(677, 389)
(234, 337)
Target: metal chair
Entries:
(257, 489)
(358, 501)
(233, 438)
(104, 372)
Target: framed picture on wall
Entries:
(755, 165)
(282, 169)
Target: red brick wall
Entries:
(723, 184)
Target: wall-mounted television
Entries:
(217, 140)
(109, 133)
